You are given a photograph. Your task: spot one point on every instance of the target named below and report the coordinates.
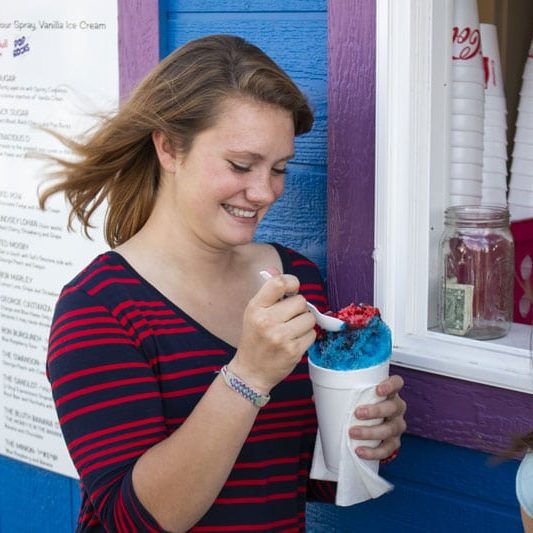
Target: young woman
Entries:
(165, 351)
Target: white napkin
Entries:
(357, 479)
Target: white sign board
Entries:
(58, 65)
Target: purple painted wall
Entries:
(450, 410)
(138, 38)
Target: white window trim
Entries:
(412, 96)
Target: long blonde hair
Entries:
(180, 98)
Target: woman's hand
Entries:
(277, 331)
(391, 409)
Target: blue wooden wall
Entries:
(439, 487)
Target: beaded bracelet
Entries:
(235, 383)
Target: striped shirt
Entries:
(127, 366)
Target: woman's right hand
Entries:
(277, 331)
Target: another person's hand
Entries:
(277, 331)
(391, 409)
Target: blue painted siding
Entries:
(439, 487)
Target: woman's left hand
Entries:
(391, 409)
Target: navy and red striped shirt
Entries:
(127, 367)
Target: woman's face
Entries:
(233, 172)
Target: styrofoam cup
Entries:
(491, 59)
(495, 118)
(463, 199)
(492, 133)
(523, 151)
(333, 392)
(459, 154)
(467, 106)
(526, 88)
(468, 74)
(522, 166)
(521, 197)
(466, 171)
(521, 181)
(467, 139)
(466, 38)
(495, 103)
(524, 120)
(467, 187)
(523, 135)
(494, 164)
(468, 90)
(494, 179)
(495, 148)
(520, 212)
(525, 104)
(493, 196)
(461, 122)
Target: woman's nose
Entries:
(263, 189)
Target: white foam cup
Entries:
(521, 181)
(467, 106)
(495, 149)
(460, 122)
(466, 38)
(493, 196)
(333, 390)
(494, 164)
(521, 197)
(523, 135)
(522, 166)
(463, 199)
(459, 154)
(468, 187)
(525, 104)
(519, 212)
(467, 139)
(495, 118)
(493, 133)
(524, 120)
(527, 87)
(466, 171)
(494, 179)
(491, 59)
(523, 151)
(468, 73)
(468, 90)
(495, 103)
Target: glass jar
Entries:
(477, 272)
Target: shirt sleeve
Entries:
(524, 484)
(108, 403)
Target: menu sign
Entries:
(58, 67)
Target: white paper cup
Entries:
(467, 187)
(458, 154)
(467, 106)
(332, 391)
(522, 166)
(495, 103)
(468, 90)
(491, 59)
(494, 179)
(524, 120)
(492, 133)
(467, 139)
(521, 197)
(523, 135)
(468, 73)
(523, 151)
(493, 196)
(494, 164)
(495, 148)
(521, 181)
(461, 122)
(495, 118)
(519, 212)
(466, 171)
(463, 199)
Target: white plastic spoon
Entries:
(329, 323)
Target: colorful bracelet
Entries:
(391, 457)
(238, 385)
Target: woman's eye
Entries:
(279, 171)
(239, 168)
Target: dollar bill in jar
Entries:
(458, 316)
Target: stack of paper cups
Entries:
(494, 181)
(467, 107)
(521, 184)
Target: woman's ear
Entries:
(165, 152)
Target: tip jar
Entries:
(477, 272)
